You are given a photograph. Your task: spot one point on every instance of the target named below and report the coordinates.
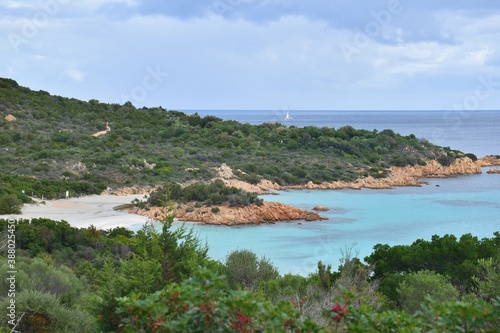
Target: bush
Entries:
(245, 270)
(202, 303)
(10, 204)
(417, 287)
(215, 193)
(51, 298)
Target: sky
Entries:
(258, 54)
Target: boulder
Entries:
(10, 117)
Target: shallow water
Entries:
(359, 219)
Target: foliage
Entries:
(160, 258)
(160, 279)
(487, 278)
(245, 270)
(215, 193)
(10, 204)
(202, 303)
(52, 141)
(472, 316)
(48, 298)
(14, 190)
(418, 286)
(447, 255)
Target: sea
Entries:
(360, 219)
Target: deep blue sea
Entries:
(359, 219)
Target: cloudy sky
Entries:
(258, 54)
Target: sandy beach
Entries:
(82, 212)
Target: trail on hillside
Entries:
(103, 132)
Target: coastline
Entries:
(399, 176)
(98, 210)
(82, 212)
(276, 212)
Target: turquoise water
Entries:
(359, 219)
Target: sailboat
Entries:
(287, 117)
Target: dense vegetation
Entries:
(161, 280)
(51, 139)
(215, 193)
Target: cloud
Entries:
(14, 4)
(75, 75)
(261, 54)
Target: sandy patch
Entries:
(66, 205)
(82, 212)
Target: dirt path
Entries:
(103, 132)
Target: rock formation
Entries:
(489, 160)
(401, 176)
(10, 117)
(269, 212)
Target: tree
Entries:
(48, 298)
(203, 303)
(488, 278)
(417, 287)
(10, 204)
(244, 269)
(160, 258)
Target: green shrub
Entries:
(417, 287)
(202, 303)
(245, 270)
(10, 204)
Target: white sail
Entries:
(287, 117)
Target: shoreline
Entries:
(82, 212)
(398, 177)
(98, 210)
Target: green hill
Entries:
(51, 139)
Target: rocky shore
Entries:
(269, 212)
(490, 160)
(399, 176)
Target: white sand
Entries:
(82, 212)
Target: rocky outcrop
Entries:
(490, 160)
(147, 165)
(244, 186)
(225, 173)
(461, 166)
(269, 212)
(10, 117)
(492, 171)
(320, 208)
(403, 176)
(399, 176)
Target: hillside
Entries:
(56, 138)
